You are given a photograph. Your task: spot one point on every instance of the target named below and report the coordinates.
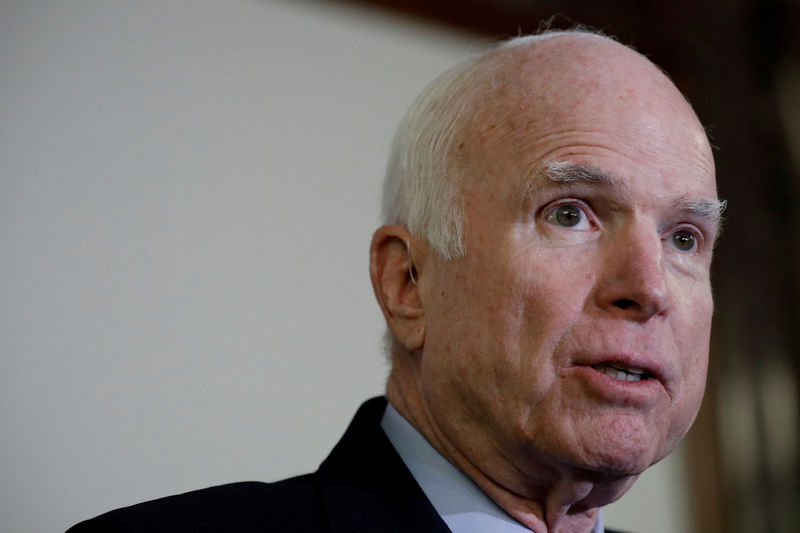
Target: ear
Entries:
(396, 282)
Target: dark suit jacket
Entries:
(363, 486)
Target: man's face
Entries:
(575, 330)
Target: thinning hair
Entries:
(422, 185)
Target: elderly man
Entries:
(551, 212)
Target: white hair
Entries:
(419, 191)
(422, 187)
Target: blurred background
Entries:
(187, 193)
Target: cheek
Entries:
(692, 338)
(692, 335)
(542, 302)
(495, 329)
(558, 285)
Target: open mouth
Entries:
(623, 373)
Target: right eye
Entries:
(568, 216)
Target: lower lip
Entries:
(641, 393)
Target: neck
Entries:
(546, 498)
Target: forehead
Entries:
(599, 105)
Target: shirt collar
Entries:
(457, 499)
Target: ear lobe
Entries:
(395, 280)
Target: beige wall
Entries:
(187, 192)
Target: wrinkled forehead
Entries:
(533, 95)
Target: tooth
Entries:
(634, 374)
(630, 369)
(608, 371)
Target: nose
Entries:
(633, 280)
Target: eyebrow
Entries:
(710, 209)
(567, 172)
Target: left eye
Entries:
(684, 240)
(568, 216)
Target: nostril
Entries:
(624, 303)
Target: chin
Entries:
(620, 462)
(622, 450)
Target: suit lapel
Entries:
(366, 487)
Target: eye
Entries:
(684, 240)
(568, 216)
